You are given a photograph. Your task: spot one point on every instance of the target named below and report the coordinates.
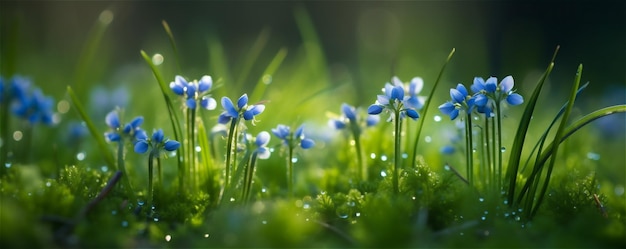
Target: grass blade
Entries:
(539, 144)
(171, 111)
(426, 105)
(170, 35)
(104, 148)
(520, 136)
(88, 53)
(252, 57)
(557, 137)
(261, 85)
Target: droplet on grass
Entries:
(294, 160)
(503, 149)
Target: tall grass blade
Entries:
(252, 57)
(557, 137)
(426, 105)
(90, 50)
(206, 161)
(261, 85)
(541, 141)
(170, 35)
(178, 135)
(104, 149)
(520, 136)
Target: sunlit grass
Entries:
(401, 191)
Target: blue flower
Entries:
(34, 107)
(261, 141)
(130, 130)
(156, 144)
(350, 116)
(283, 132)
(248, 112)
(394, 99)
(461, 101)
(195, 92)
(506, 91)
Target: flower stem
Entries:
(249, 175)
(362, 168)
(397, 154)
(493, 155)
(229, 153)
(290, 170)
(150, 195)
(121, 166)
(499, 148)
(488, 150)
(469, 150)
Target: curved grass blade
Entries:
(104, 150)
(252, 57)
(555, 146)
(426, 105)
(88, 53)
(261, 85)
(207, 161)
(171, 111)
(520, 136)
(542, 140)
(170, 35)
(575, 126)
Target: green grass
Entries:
(575, 201)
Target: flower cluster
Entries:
(487, 94)
(349, 116)
(248, 112)
(119, 132)
(195, 92)
(284, 133)
(26, 102)
(395, 100)
(157, 143)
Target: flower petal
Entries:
(372, 120)
(457, 96)
(141, 135)
(506, 85)
(208, 103)
(171, 145)
(300, 132)
(112, 119)
(461, 88)
(157, 136)
(416, 85)
(191, 103)
(224, 118)
(228, 106)
(453, 114)
(307, 143)
(242, 101)
(479, 85)
(262, 139)
(336, 124)
(141, 146)
(515, 99)
(112, 136)
(349, 111)
(205, 83)
(136, 122)
(382, 99)
(281, 131)
(397, 93)
(263, 153)
(412, 114)
(480, 99)
(491, 84)
(375, 109)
